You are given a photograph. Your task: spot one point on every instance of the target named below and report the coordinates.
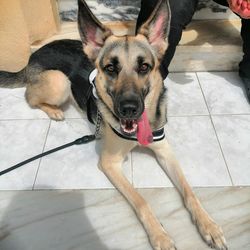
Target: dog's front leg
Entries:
(112, 156)
(208, 229)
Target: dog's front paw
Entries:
(212, 234)
(162, 241)
(56, 114)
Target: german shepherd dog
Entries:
(130, 91)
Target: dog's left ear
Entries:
(156, 27)
(93, 33)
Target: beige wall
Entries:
(23, 22)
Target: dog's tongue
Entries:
(144, 132)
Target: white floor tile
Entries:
(75, 167)
(196, 147)
(14, 106)
(71, 110)
(234, 136)
(20, 140)
(184, 95)
(146, 171)
(224, 93)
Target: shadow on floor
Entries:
(47, 220)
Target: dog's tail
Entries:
(12, 80)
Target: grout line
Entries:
(203, 71)
(206, 115)
(132, 168)
(24, 119)
(221, 150)
(46, 137)
(224, 114)
(217, 137)
(37, 119)
(188, 115)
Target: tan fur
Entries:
(112, 155)
(209, 230)
(129, 76)
(50, 90)
(115, 149)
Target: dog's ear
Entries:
(156, 27)
(93, 33)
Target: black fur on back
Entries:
(64, 55)
(67, 56)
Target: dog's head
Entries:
(128, 79)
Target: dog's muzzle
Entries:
(129, 109)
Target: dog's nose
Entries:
(130, 108)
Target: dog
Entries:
(131, 101)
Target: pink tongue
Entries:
(144, 132)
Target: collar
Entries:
(158, 135)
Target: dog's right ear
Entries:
(93, 33)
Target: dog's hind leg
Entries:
(48, 91)
(114, 151)
(208, 229)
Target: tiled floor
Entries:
(102, 220)
(209, 129)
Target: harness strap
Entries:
(92, 77)
(158, 135)
(92, 110)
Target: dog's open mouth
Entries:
(129, 126)
(140, 127)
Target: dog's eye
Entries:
(110, 68)
(144, 68)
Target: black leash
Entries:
(83, 140)
(91, 105)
